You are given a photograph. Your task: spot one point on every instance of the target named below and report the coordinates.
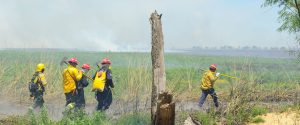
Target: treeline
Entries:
(242, 48)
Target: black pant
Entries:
(70, 98)
(80, 100)
(208, 92)
(38, 99)
(104, 98)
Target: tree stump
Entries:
(165, 110)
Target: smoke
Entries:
(124, 25)
(103, 43)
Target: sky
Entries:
(123, 25)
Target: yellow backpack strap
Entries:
(71, 76)
(34, 78)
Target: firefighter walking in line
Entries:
(37, 86)
(80, 100)
(71, 76)
(207, 85)
(102, 85)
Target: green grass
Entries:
(257, 120)
(206, 118)
(286, 108)
(182, 68)
(134, 119)
(79, 118)
(256, 111)
(261, 79)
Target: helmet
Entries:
(86, 66)
(213, 67)
(40, 67)
(105, 61)
(73, 60)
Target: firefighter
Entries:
(102, 85)
(37, 85)
(207, 85)
(80, 100)
(71, 76)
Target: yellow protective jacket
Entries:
(40, 80)
(71, 76)
(208, 80)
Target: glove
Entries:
(217, 74)
(75, 92)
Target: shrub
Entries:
(134, 119)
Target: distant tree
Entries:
(274, 48)
(230, 48)
(226, 47)
(289, 15)
(283, 48)
(245, 48)
(255, 48)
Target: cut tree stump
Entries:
(165, 110)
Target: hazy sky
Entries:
(124, 24)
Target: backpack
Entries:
(32, 86)
(100, 79)
(83, 82)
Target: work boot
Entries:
(68, 109)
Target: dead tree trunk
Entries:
(158, 66)
(159, 110)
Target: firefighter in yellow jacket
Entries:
(71, 76)
(37, 85)
(207, 85)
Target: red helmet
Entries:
(86, 66)
(73, 60)
(213, 67)
(105, 61)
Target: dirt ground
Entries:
(286, 118)
(56, 107)
(118, 107)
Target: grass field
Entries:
(265, 80)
